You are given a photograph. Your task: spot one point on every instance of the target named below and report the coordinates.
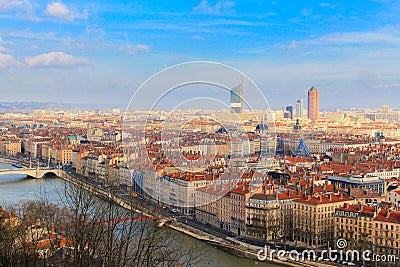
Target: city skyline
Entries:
(91, 52)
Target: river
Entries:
(15, 188)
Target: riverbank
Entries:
(230, 245)
(8, 161)
(203, 234)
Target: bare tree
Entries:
(104, 234)
(97, 232)
(8, 239)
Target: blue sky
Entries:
(101, 51)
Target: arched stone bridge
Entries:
(35, 173)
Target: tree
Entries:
(97, 232)
(101, 235)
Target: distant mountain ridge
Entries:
(51, 105)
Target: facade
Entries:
(94, 134)
(365, 182)
(264, 217)
(387, 117)
(299, 108)
(178, 192)
(313, 104)
(386, 174)
(393, 197)
(270, 215)
(63, 155)
(354, 223)
(210, 211)
(386, 233)
(239, 197)
(11, 147)
(314, 221)
(237, 99)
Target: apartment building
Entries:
(314, 221)
(354, 223)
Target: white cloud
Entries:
(7, 5)
(293, 45)
(60, 11)
(390, 35)
(24, 8)
(7, 60)
(197, 37)
(56, 59)
(220, 8)
(2, 48)
(135, 49)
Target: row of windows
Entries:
(352, 221)
(314, 209)
(383, 226)
(386, 234)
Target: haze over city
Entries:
(99, 53)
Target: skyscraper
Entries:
(237, 99)
(313, 104)
(299, 108)
(289, 110)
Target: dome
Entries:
(261, 127)
(221, 130)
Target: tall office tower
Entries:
(313, 104)
(237, 99)
(299, 108)
(289, 110)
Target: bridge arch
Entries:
(47, 173)
(35, 173)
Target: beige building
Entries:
(354, 223)
(214, 205)
(264, 218)
(63, 155)
(386, 233)
(393, 197)
(314, 221)
(10, 147)
(76, 159)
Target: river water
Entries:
(15, 188)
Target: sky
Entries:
(102, 51)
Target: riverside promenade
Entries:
(183, 225)
(228, 244)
